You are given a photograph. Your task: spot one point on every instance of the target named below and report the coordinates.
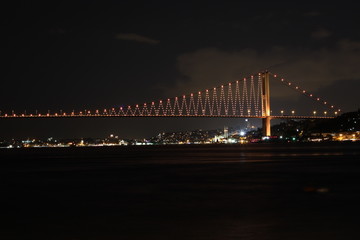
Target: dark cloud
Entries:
(310, 69)
(136, 38)
(321, 34)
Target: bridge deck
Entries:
(156, 116)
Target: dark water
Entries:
(182, 192)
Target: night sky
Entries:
(65, 55)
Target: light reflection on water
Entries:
(190, 192)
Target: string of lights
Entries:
(240, 98)
(317, 99)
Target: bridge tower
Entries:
(265, 98)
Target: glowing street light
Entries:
(282, 112)
(325, 113)
(314, 112)
(292, 112)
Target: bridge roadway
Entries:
(162, 116)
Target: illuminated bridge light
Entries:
(238, 100)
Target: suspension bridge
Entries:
(245, 98)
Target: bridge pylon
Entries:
(265, 98)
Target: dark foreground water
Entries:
(260, 192)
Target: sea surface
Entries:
(254, 191)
